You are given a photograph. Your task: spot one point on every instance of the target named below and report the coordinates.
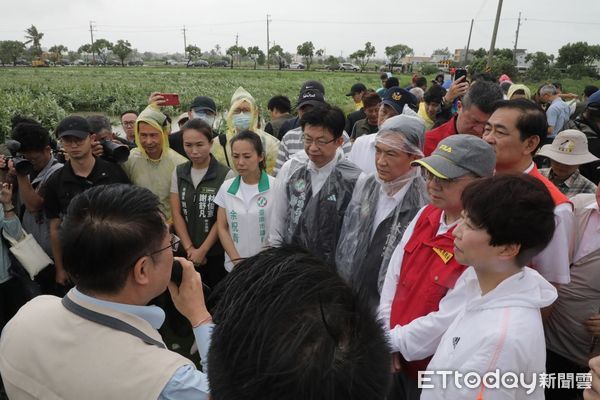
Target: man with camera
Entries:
(113, 148)
(117, 249)
(82, 171)
(31, 171)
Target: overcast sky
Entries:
(340, 27)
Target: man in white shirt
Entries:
(515, 130)
(396, 102)
(311, 194)
(382, 206)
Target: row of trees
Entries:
(575, 59)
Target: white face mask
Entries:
(209, 119)
(242, 120)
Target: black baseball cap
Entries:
(356, 88)
(310, 96)
(397, 98)
(73, 126)
(203, 103)
(313, 85)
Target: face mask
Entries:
(209, 119)
(242, 120)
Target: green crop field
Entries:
(49, 94)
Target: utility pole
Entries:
(184, 43)
(268, 20)
(516, 40)
(92, 38)
(236, 39)
(493, 44)
(468, 43)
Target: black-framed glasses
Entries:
(308, 141)
(174, 245)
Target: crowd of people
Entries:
(446, 228)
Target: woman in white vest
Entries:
(245, 201)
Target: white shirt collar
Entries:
(327, 168)
(530, 168)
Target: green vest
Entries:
(197, 203)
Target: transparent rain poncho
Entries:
(312, 220)
(364, 249)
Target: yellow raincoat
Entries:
(154, 175)
(270, 143)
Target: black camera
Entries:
(22, 165)
(114, 151)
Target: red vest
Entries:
(429, 269)
(557, 195)
(435, 136)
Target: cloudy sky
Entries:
(340, 27)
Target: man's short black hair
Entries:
(325, 116)
(31, 136)
(531, 122)
(99, 123)
(383, 76)
(128, 112)
(421, 82)
(18, 119)
(434, 94)
(391, 82)
(483, 95)
(513, 209)
(106, 230)
(590, 90)
(370, 99)
(288, 327)
(280, 103)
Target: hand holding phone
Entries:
(170, 99)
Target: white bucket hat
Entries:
(569, 147)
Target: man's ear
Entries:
(531, 144)
(140, 271)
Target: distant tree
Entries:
(10, 51)
(122, 49)
(332, 62)
(276, 53)
(34, 37)
(503, 53)
(575, 53)
(480, 53)
(101, 48)
(578, 59)
(236, 52)
(85, 51)
(72, 56)
(307, 51)
(56, 52)
(193, 52)
(255, 53)
(539, 68)
(362, 57)
(396, 53)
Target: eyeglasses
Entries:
(128, 123)
(174, 245)
(308, 141)
(441, 181)
(71, 140)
